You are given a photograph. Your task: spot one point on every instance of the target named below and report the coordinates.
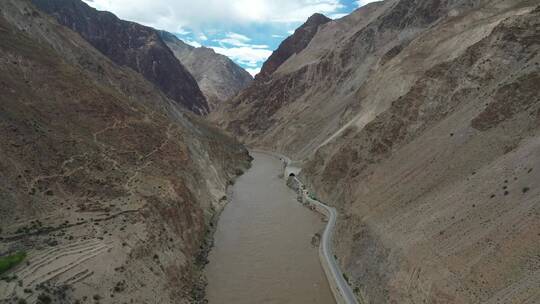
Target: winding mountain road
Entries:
(342, 291)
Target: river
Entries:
(262, 251)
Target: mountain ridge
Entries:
(218, 76)
(133, 45)
(109, 187)
(419, 121)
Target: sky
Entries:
(247, 31)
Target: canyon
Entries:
(416, 121)
(419, 121)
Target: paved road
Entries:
(326, 251)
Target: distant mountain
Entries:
(130, 44)
(218, 77)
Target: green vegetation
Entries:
(10, 261)
(346, 278)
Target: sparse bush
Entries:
(44, 299)
(346, 277)
(10, 261)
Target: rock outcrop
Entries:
(293, 44)
(108, 186)
(420, 121)
(218, 76)
(132, 45)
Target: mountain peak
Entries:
(293, 44)
(318, 19)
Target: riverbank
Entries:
(262, 251)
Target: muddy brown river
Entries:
(263, 251)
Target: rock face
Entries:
(105, 183)
(420, 121)
(218, 76)
(132, 45)
(293, 44)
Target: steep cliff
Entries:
(132, 45)
(105, 183)
(420, 121)
(218, 76)
(293, 44)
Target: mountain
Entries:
(218, 77)
(293, 44)
(109, 188)
(130, 44)
(420, 122)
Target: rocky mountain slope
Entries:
(132, 45)
(420, 121)
(107, 185)
(293, 44)
(218, 76)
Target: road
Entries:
(325, 250)
(341, 289)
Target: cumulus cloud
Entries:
(250, 57)
(238, 40)
(239, 48)
(226, 25)
(179, 14)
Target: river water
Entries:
(263, 251)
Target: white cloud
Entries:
(360, 3)
(192, 43)
(175, 15)
(238, 48)
(238, 40)
(337, 16)
(183, 32)
(238, 37)
(254, 71)
(278, 36)
(251, 57)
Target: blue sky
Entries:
(247, 31)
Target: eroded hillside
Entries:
(420, 121)
(108, 186)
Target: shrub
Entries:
(10, 261)
(44, 298)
